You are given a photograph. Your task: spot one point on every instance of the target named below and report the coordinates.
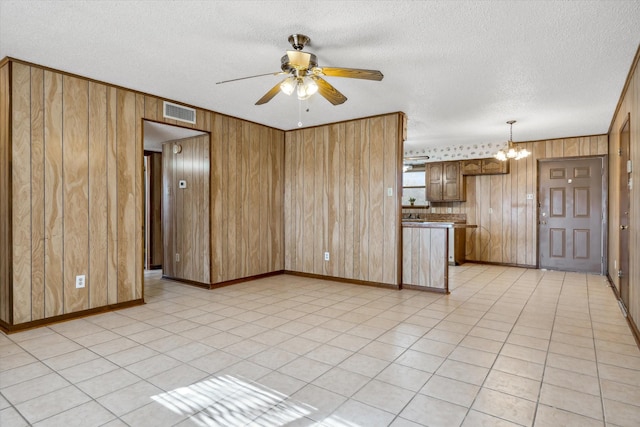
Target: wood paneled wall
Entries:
(186, 220)
(247, 209)
(76, 199)
(70, 138)
(337, 179)
(5, 195)
(629, 106)
(498, 204)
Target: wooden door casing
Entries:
(571, 215)
(625, 207)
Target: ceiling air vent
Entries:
(178, 112)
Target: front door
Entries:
(625, 204)
(571, 214)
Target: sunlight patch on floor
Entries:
(230, 401)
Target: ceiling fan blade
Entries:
(251, 77)
(352, 73)
(269, 95)
(329, 92)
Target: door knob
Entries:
(624, 227)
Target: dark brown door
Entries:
(571, 214)
(625, 204)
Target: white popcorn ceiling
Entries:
(458, 69)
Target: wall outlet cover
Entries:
(80, 281)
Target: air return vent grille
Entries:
(178, 112)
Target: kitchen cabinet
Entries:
(488, 166)
(444, 182)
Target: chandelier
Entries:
(511, 151)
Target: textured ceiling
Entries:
(459, 70)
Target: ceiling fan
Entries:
(305, 77)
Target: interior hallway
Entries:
(508, 346)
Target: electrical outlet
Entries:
(390, 192)
(326, 256)
(177, 257)
(490, 211)
(529, 196)
(449, 210)
(80, 281)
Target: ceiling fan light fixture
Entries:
(305, 88)
(306, 78)
(288, 85)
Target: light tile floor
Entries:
(508, 346)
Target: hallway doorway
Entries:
(160, 223)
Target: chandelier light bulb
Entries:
(312, 86)
(500, 155)
(306, 87)
(288, 85)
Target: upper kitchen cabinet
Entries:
(444, 182)
(488, 166)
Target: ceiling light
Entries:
(511, 151)
(303, 86)
(288, 85)
(306, 87)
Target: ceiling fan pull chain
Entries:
(299, 113)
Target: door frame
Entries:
(142, 198)
(624, 188)
(604, 209)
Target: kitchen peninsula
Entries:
(425, 248)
